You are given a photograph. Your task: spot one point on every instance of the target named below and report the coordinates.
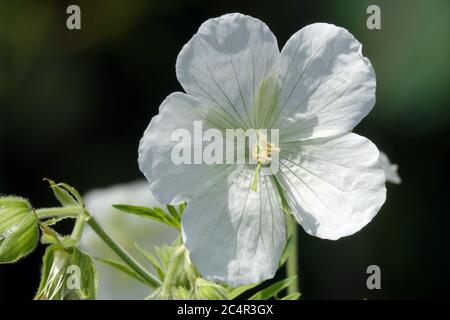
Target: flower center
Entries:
(262, 153)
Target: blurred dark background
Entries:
(74, 104)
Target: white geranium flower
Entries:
(315, 91)
(390, 170)
(128, 230)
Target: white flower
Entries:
(127, 230)
(390, 170)
(315, 92)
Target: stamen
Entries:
(262, 153)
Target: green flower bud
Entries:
(19, 233)
(67, 274)
(207, 290)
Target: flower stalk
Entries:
(292, 261)
(71, 211)
(78, 228)
(122, 253)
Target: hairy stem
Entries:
(72, 211)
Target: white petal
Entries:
(173, 183)
(127, 230)
(335, 186)
(327, 84)
(235, 235)
(224, 63)
(390, 170)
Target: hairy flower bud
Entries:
(18, 229)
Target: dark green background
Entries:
(74, 104)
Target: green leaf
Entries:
(170, 220)
(67, 274)
(49, 236)
(156, 214)
(63, 196)
(292, 296)
(173, 212)
(153, 260)
(236, 292)
(73, 192)
(165, 254)
(123, 268)
(19, 233)
(272, 290)
(286, 251)
(181, 208)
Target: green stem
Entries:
(78, 228)
(171, 272)
(72, 211)
(292, 261)
(129, 260)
